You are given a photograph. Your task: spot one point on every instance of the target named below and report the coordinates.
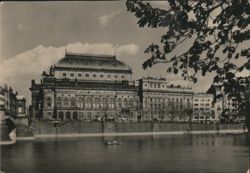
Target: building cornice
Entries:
(93, 69)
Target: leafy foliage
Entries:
(217, 29)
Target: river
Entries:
(148, 154)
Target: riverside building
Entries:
(86, 87)
(203, 108)
(161, 101)
(100, 87)
(13, 105)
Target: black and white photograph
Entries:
(126, 86)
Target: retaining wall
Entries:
(78, 127)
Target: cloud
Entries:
(105, 18)
(20, 69)
(131, 49)
(22, 27)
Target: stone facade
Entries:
(86, 87)
(13, 105)
(100, 87)
(203, 108)
(163, 102)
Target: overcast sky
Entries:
(34, 36)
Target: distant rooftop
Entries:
(77, 60)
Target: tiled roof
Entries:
(73, 60)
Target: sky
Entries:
(35, 35)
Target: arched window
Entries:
(125, 103)
(119, 102)
(131, 103)
(49, 101)
(80, 102)
(75, 117)
(68, 116)
(59, 101)
(54, 116)
(72, 101)
(104, 102)
(61, 115)
(88, 103)
(97, 103)
(112, 103)
(66, 101)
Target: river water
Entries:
(147, 154)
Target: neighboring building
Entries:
(8, 101)
(86, 87)
(20, 106)
(228, 107)
(13, 105)
(203, 108)
(163, 102)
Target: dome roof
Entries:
(72, 60)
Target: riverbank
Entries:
(47, 129)
(37, 136)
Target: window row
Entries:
(98, 105)
(202, 100)
(91, 75)
(169, 99)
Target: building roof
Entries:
(73, 60)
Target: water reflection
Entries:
(173, 154)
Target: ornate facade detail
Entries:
(86, 87)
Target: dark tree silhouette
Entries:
(217, 31)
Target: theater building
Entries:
(86, 87)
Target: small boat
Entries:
(114, 142)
